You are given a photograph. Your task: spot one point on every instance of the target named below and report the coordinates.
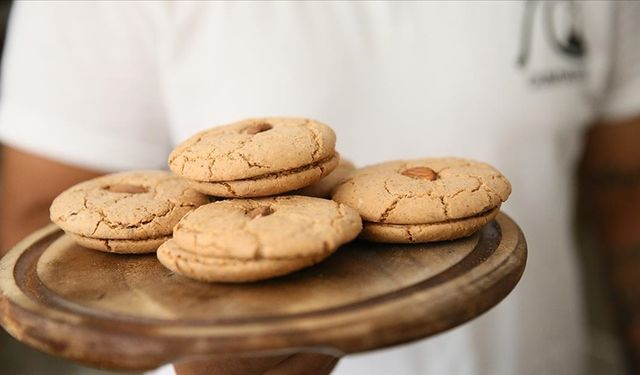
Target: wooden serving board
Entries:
(129, 312)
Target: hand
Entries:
(28, 184)
(297, 364)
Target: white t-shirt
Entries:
(113, 86)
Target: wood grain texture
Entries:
(129, 312)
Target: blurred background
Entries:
(611, 338)
(15, 358)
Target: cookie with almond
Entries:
(423, 200)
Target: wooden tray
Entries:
(129, 312)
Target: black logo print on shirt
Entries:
(570, 43)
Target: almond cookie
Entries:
(130, 212)
(256, 157)
(424, 200)
(323, 188)
(242, 240)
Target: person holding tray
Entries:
(90, 88)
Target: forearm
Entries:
(18, 222)
(28, 184)
(611, 189)
(18, 217)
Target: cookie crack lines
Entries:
(228, 187)
(479, 182)
(148, 218)
(392, 206)
(115, 224)
(250, 163)
(185, 160)
(409, 234)
(184, 154)
(97, 225)
(151, 218)
(431, 199)
(117, 200)
(457, 193)
(212, 159)
(490, 192)
(445, 206)
(316, 139)
(396, 195)
(125, 212)
(386, 188)
(258, 157)
(387, 211)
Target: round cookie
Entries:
(130, 212)
(423, 191)
(256, 157)
(251, 239)
(323, 188)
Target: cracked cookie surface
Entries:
(121, 208)
(250, 239)
(382, 193)
(295, 226)
(253, 148)
(422, 192)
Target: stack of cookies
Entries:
(245, 239)
(424, 200)
(257, 157)
(247, 201)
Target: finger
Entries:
(305, 364)
(229, 366)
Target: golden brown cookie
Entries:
(242, 240)
(257, 157)
(323, 188)
(130, 212)
(424, 200)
